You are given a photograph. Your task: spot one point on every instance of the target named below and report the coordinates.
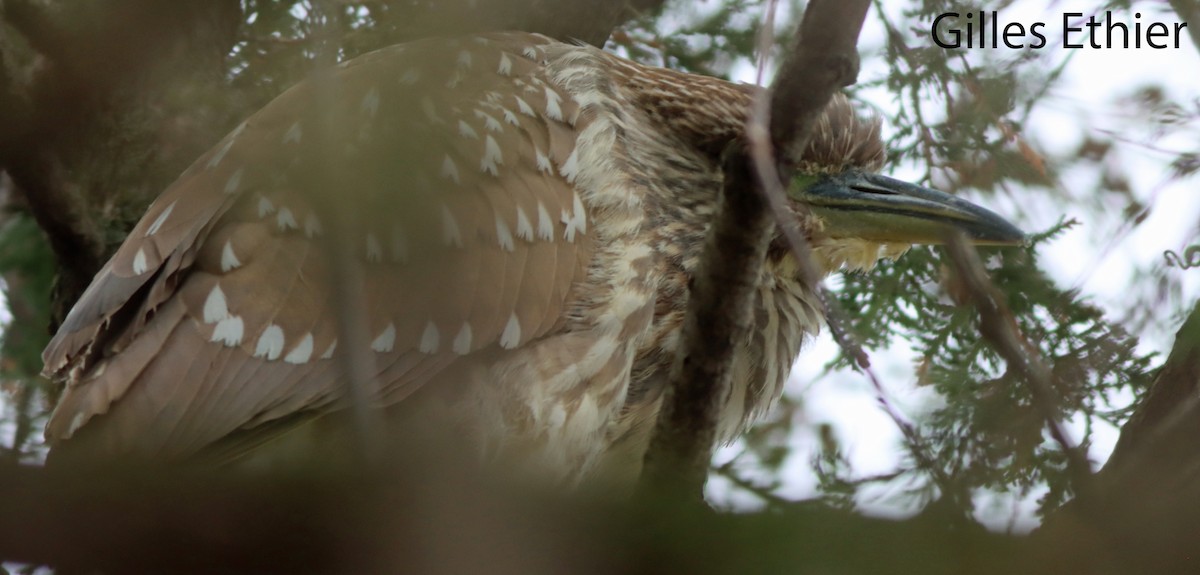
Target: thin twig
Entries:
(768, 496)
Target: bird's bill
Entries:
(877, 208)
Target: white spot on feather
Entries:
(580, 217)
(139, 262)
(158, 222)
(464, 59)
(570, 168)
(450, 233)
(386, 340)
(568, 226)
(462, 341)
(545, 229)
(553, 110)
(302, 352)
(510, 117)
(235, 179)
(465, 130)
(543, 161)
(524, 229)
(286, 220)
(503, 234)
(575, 221)
(492, 157)
(489, 123)
(216, 307)
(512, 333)
(270, 343)
(530, 53)
(450, 169)
(229, 259)
(430, 339)
(265, 207)
(329, 350)
(524, 107)
(229, 331)
(505, 68)
(293, 134)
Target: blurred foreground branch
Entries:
(427, 519)
(419, 522)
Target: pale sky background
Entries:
(1093, 257)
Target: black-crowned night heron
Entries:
(526, 215)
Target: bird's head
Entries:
(855, 216)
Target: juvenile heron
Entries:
(526, 215)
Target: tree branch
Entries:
(722, 293)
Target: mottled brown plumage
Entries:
(527, 214)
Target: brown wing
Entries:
(215, 316)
